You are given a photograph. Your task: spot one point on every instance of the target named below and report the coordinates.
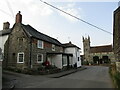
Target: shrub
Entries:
(85, 63)
(117, 78)
(115, 75)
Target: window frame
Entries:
(64, 58)
(53, 47)
(39, 44)
(41, 60)
(18, 57)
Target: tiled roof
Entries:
(34, 33)
(5, 32)
(99, 49)
(69, 45)
(117, 10)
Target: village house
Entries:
(75, 50)
(70, 57)
(25, 47)
(3, 37)
(97, 54)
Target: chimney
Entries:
(70, 42)
(18, 18)
(6, 25)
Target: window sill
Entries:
(39, 62)
(20, 62)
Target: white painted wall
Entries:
(3, 39)
(56, 60)
(76, 53)
(2, 42)
(72, 51)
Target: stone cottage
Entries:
(28, 48)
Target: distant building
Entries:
(75, 50)
(116, 34)
(25, 47)
(3, 37)
(97, 54)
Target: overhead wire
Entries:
(10, 8)
(77, 18)
(5, 13)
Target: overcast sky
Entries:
(61, 26)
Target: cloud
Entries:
(32, 6)
(71, 9)
(41, 9)
(32, 11)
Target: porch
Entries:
(60, 60)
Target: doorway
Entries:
(96, 60)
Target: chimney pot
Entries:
(70, 42)
(18, 18)
(6, 25)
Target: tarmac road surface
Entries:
(92, 77)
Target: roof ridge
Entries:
(41, 32)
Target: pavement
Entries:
(64, 73)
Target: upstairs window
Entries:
(40, 44)
(20, 57)
(53, 47)
(20, 40)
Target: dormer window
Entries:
(53, 47)
(40, 44)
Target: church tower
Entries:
(86, 48)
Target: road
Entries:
(92, 77)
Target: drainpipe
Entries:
(30, 52)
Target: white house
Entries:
(3, 37)
(60, 60)
(73, 49)
(69, 57)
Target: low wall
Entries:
(118, 66)
(0, 75)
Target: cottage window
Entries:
(20, 57)
(64, 61)
(53, 47)
(78, 59)
(40, 58)
(40, 44)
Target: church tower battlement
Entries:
(86, 47)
